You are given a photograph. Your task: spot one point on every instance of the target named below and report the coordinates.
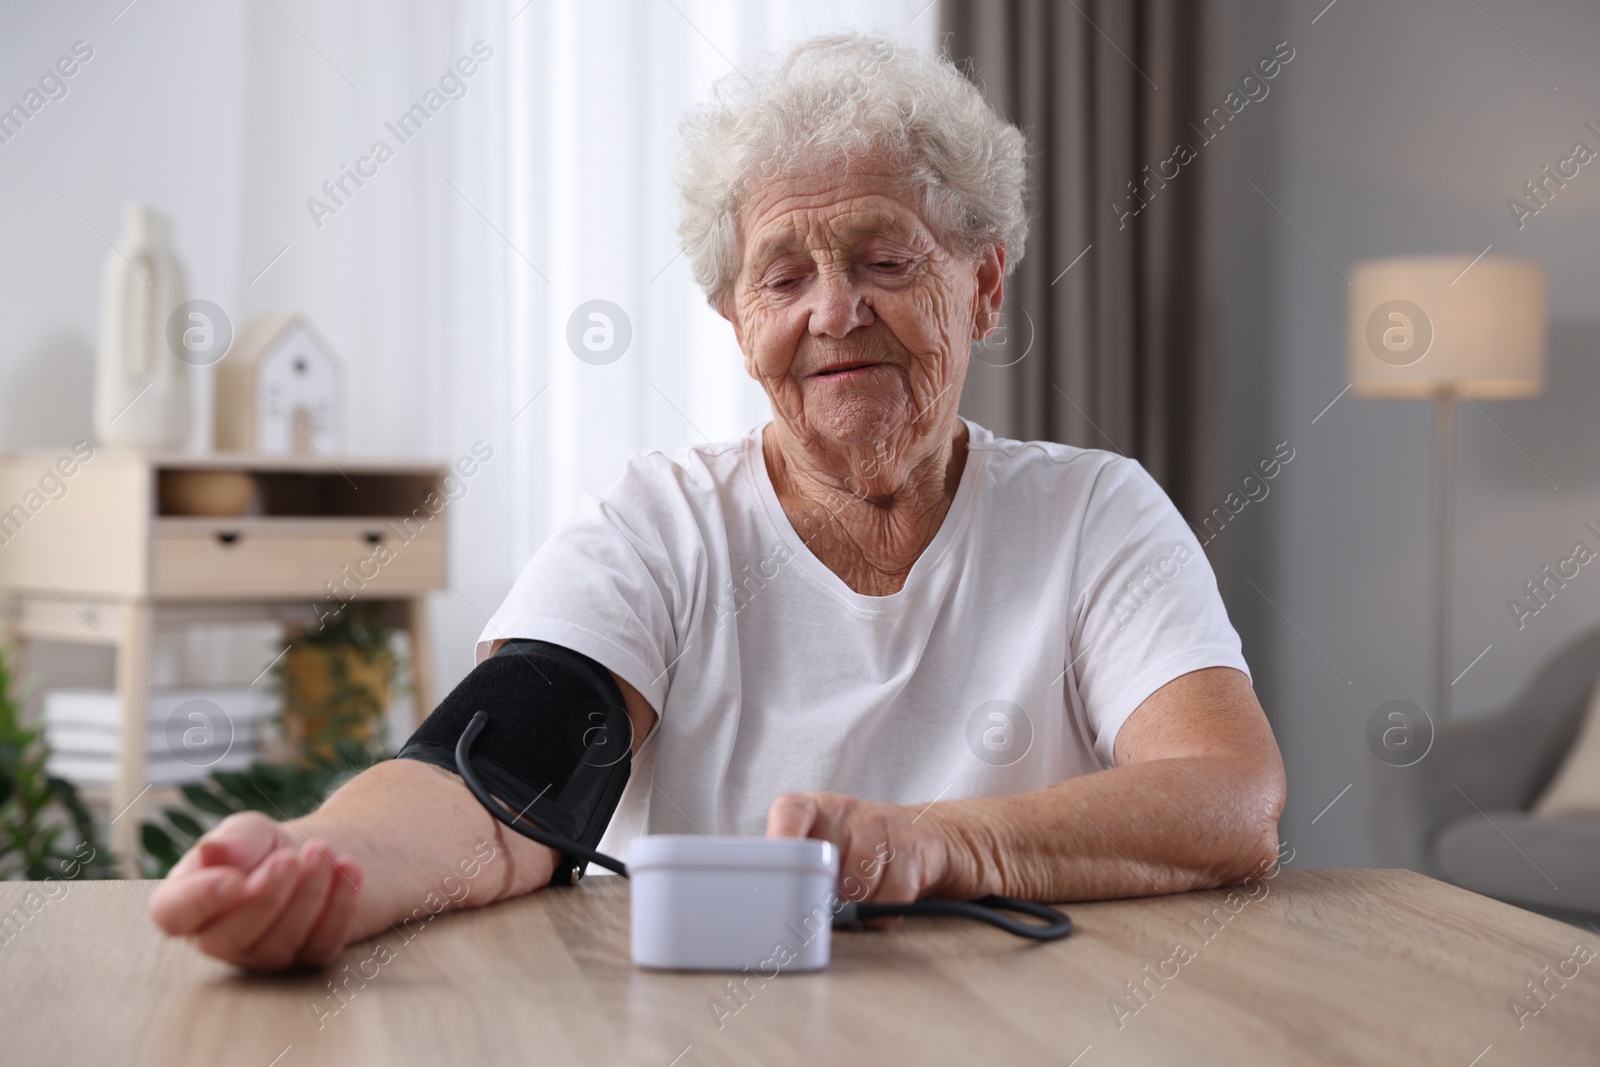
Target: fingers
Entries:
(328, 937)
(884, 855)
(248, 895)
(183, 903)
(241, 841)
(280, 944)
(208, 880)
(792, 815)
(896, 875)
(267, 891)
(865, 873)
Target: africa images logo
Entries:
(1399, 332)
(999, 732)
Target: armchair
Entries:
(1461, 814)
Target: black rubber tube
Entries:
(520, 823)
(990, 909)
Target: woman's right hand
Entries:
(254, 893)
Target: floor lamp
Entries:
(1443, 327)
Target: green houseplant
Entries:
(45, 829)
(335, 683)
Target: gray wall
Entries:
(1399, 128)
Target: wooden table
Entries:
(1344, 967)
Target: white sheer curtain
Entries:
(574, 165)
(448, 284)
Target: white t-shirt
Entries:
(1061, 590)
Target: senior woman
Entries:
(976, 665)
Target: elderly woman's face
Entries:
(839, 272)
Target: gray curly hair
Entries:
(840, 96)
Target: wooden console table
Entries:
(90, 557)
(1355, 968)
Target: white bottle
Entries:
(141, 394)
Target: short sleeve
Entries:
(610, 582)
(1150, 610)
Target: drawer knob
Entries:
(228, 537)
(374, 537)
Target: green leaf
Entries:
(185, 822)
(207, 801)
(67, 794)
(240, 786)
(31, 802)
(158, 844)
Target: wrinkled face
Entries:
(853, 318)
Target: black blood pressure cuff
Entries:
(557, 746)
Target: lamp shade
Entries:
(1420, 324)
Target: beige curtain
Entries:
(1110, 319)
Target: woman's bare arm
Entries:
(403, 839)
(1193, 803)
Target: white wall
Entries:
(1400, 128)
(154, 116)
(230, 116)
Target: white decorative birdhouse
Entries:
(280, 390)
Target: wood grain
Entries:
(1343, 967)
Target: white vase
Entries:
(141, 394)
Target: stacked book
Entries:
(192, 732)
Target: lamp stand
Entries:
(1443, 477)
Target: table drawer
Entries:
(217, 559)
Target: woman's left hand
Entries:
(889, 853)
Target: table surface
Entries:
(1343, 967)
